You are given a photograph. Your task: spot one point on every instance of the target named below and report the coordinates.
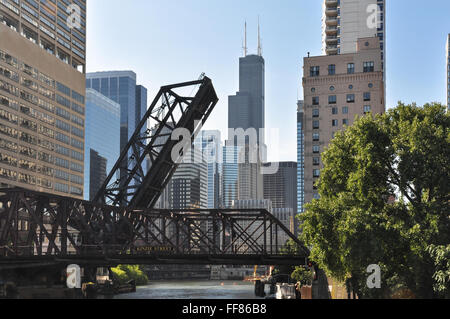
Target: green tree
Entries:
(441, 257)
(384, 199)
(303, 275)
(125, 273)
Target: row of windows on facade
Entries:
(76, 44)
(350, 98)
(14, 104)
(33, 126)
(40, 182)
(42, 143)
(367, 67)
(345, 109)
(44, 79)
(33, 167)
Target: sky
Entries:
(171, 41)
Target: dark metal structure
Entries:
(43, 229)
(121, 227)
(172, 109)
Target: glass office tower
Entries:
(120, 86)
(102, 138)
(211, 148)
(230, 175)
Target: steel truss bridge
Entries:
(44, 229)
(121, 225)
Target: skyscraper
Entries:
(300, 157)
(42, 103)
(448, 72)
(188, 188)
(247, 108)
(246, 111)
(280, 187)
(230, 174)
(346, 21)
(336, 89)
(102, 138)
(120, 86)
(211, 147)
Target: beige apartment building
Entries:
(337, 88)
(42, 99)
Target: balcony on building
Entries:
(331, 12)
(331, 30)
(332, 49)
(331, 3)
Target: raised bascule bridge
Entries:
(122, 226)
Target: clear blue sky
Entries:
(169, 41)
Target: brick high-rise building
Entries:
(42, 102)
(336, 89)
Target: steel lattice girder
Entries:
(36, 225)
(138, 186)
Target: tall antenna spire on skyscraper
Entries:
(245, 39)
(259, 40)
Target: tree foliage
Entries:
(384, 199)
(126, 273)
(303, 275)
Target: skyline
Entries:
(288, 34)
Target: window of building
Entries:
(370, 85)
(369, 66)
(334, 123)
(332, 99)
(350, 68)
(315, 100)
(332, 69)
(316, 137)
(316, 173)
(345, 122)
(316, 161)
(316, 113)
(350, 98)
(345, 110)
(315, 71)
(366, 96)
(332, 88)
(334, 111)
(316, 125)
(367, 109)
(316, 149)
(350, 87)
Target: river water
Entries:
(194, 290)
